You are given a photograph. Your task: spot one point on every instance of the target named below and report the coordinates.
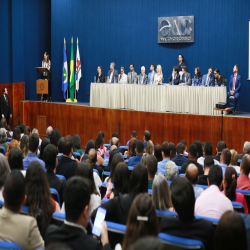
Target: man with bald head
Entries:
(192, 174)
(243, 181)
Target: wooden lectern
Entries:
(42, 86)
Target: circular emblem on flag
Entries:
(42, 86)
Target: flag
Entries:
(78, 67)
(72, 74)
(65, 82)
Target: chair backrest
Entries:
(179, 243)
(116, 228)
(1, 204)
(61, 177)
(95, 170)
(77, 155)
(2, 150)
(55, 195)
(9, 245)
(246, 193)
(238, 207)
(57, 218)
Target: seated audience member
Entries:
(116, 142)
(218, 78)
(4, 170)
(73, 231)
(246, 219)
(39, 196)
(66, 166)
(90, 145)
(171, 171)
(147, 243)
(17, 134)
(186, 225)
(230, 232)
(13, 144)
(132, 161)
(133, 135)
(100, 76)
(175, 77)
(55, 136)
(212, 203)
(229, 186)
(16, 160)
(99, 147)
(193, 177)
(24, 145)
(16, 227)
(118, 207)
(185, 77)
(32, 153)
(35, 131)
(142, 220)
(142, 78)
(144, 158)
(50, 158)
(161, 195)
(77, 144)
(151, 166)
(208, 79)
(208, 162)
(149, 148)
(234, 160)
(112, 153)
(225, 159)
(165, 152)
(246, 149)
(185, 145)
(131, 148)
(113, 142)
(22, 127)
(243, 181)
(220, 146)
(192, 158)
(180, 159)
(172, 150)
(157, 152)
(3, 138)
(93, 156)
(146, 137)
(207, 151)
(199, 148)
(27, 131)
(158, 78)
(197, 81)
(48, 132)
(45, 142)
(122, 78)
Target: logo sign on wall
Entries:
(176, 29)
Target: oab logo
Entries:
(178, 29)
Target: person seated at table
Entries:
(197, 77)
(151, 74)
(175, 77)
(181, 62)
(185, 77)
(158, 76)
(218, 79)
(207, 79)
(122, 78)
(142, 78)
(100, 76)
(132, 75)
(112, 73)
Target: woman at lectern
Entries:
(46, 63)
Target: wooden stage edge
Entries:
(172, 127)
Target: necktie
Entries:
(131, 77)
(233, 84)
(207, 83)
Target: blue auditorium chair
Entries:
(3, 150)
(1, 204)
(238, 207)
(55, 195)
(9, 245)
(116, 228)
(95, 170)
(61, 177)
(246, 193)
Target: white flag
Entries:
(78, 68)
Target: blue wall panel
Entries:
(126, 31)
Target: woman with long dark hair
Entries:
(44, 143)
(99, 144)
(77, 144)
(197, 77)
(46, 63)
(24, 145)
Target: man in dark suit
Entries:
(185, 77)
(5, 105)
(175, 77)
(100, 77)
(73, 231)
(112, 74)
(234, 87)
(132, 75)
(67, 166)
(186, 225)
(220, 146)
(207, 79)
(180, 159)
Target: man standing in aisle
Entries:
(112, 74)
(5, 105)
(234, 87)
(132, 75)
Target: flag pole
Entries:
(65, 50)
(75, 79)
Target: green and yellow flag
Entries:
(72, 74)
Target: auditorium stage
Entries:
(80, 118)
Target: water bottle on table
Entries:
(193, 82)
(94, 79)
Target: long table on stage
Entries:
(159, 98)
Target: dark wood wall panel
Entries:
(87, 121)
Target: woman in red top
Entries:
(229, 184)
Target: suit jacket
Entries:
(217, 157)
(134, 77)
(66, 167)
(179, 160)
(221, 81)
(145, 79)
(101, 79)
(151, 76)
(72, 236)
(115, 74)
(237, 83)
(5, 106)
(176, 80)
(204, 79)
(188, 79)
(132, 161)
(197, 229)
(21, 229)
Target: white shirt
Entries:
(97, 181)
(201, 161)
(122, 78)
(46, 65)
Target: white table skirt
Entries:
(159, 98)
